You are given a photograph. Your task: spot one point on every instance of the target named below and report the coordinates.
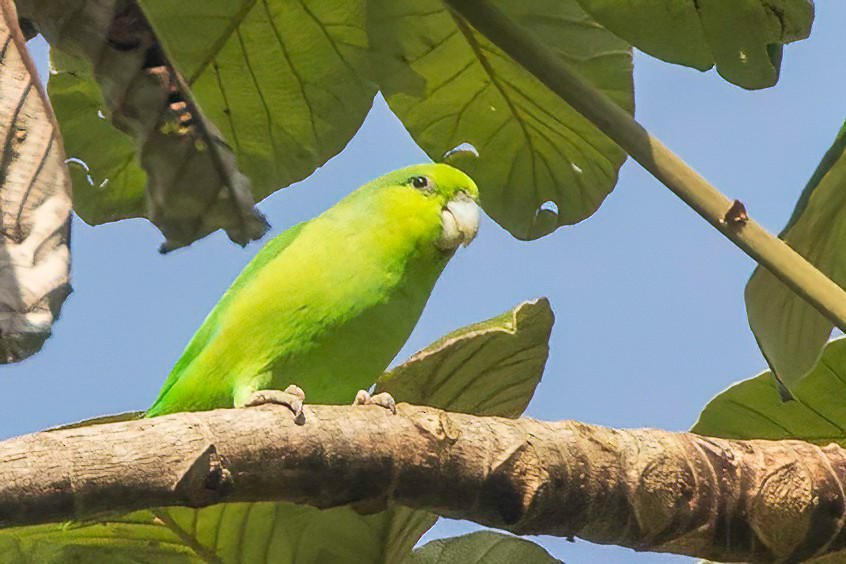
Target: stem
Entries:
(728, 217)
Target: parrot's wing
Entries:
(202, 337)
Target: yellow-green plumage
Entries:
(327, 304)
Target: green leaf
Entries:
(228, 533)
(137, 539)
(534, 149)
(278, 78)
(102, 420)
(489, 368)
(753, 409)
(743, 38)
(112, 187)
(485, 547)
(790, 332)
(191, 184)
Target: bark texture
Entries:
(645, 489)
(35, 202)
(194, 186)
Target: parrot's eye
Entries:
(420, 182)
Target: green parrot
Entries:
(325, 306)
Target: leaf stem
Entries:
(769, 251)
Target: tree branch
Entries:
(644, 489)
(728, 217)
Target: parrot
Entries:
(324, 307)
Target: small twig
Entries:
(737, 215)
(769, 251)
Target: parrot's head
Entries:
(456, 195)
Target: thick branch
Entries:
(645, 489)
(728, 217)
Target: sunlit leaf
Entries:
(790, 332)
(753, 409)
(277, 77)
(541, 165)
(483, 547)
(490, 368)
(137, 539)
(191, 185)
(743, 38)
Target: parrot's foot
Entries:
(382, 400)
(292, 398)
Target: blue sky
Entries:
(648, 297)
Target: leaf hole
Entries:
(73, 161)
(549, 206)
(84, 166)
(461, 150)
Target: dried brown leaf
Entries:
(35, 202)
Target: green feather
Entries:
(202, 337)
(328, 303)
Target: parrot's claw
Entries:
(382, 400)
(292, 398)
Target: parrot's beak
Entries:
(460, 219)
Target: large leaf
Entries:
(491, 368)
(136, 539)
(192, 184)
(541, 164)
(743, 38)
(283, 82)
(35, 202)
(753, 409)
(790, 332)
(485, 547)
(278, 77)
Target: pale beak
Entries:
(460, 221)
